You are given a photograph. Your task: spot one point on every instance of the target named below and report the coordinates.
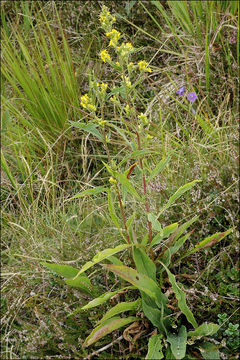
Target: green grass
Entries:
(48, 53)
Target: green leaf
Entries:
(209, 351)
(209, 241)
(168, 230)
(112, 211)
(177, 195)
(94, 191)
(141, 281)
(155, 346)
(111, 172)
(144, 264)
(136, 154)
(155, 223)
(159, 167)
(107, 327)
(178, 343)
(100, 300)
(114, 260)
(66, 271)
(152, 312)
(101, 256)
(205, 329)
(82, 283)
(181, 298)
(119, 308)
(89, 127)
(127, 185)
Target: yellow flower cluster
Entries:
(100, 121)
(127, 81)
(124, 50)
(143, 118)
(86, 103)
(103, 87)
(143, 66)
(114, 35)
(106, 19)
(105, 56)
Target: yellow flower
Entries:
(86, 103)
(112, 180)
(149, 137)
(105, 56)
(143, 66)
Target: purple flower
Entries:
(181, 91)
(192, 96)
(194, 112)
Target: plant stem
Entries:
(144, 190)
(123, 215)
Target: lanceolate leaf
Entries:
(181, 298)
(66, 271)
(141, 281)
(205, 329)
(127, 185)
(93, 191)
(177, 195)
(112, 211)
(89, 127)
(83, 283)
(159, 167)
(168, 230)
(155, 346)
(107, 327)
(100, 300)
(155, 223)
(178, 343)
(144, 264)
(101, 256)
(209, 241)
(152, 312)
(119, 308)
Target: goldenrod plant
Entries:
(152, 248)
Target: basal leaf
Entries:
(178, 343)
(141, 281)
(177, 195)
(107, 327)
(209, 351)
(155, 346)
(152, 312)
(181, 298)
(101, 256)
(119, 308)
(66, 271)
(144, 264)
(206, 329)
(100, 300)
(82, 283)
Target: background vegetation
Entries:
(49, 49)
